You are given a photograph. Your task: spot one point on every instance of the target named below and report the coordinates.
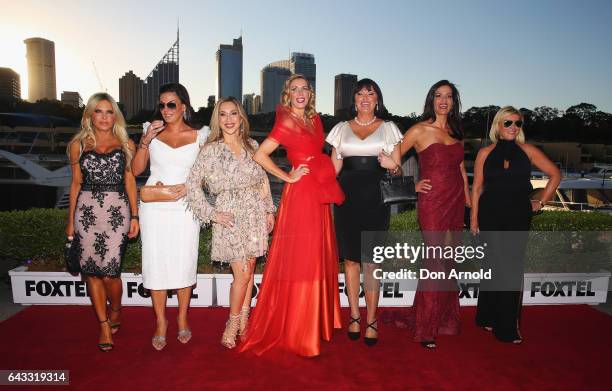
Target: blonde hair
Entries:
(216, 133)
(310, 110)
(499, 118)
(86, 137)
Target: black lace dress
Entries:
(102, 215)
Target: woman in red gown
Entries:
(443, 195)
(298, 304)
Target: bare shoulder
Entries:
(530, 150)
(417, 129)
(484, 151)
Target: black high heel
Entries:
(430, 345)
(354, 335)
(114, 326)
(369, 340)
(106, 346)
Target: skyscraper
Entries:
(247, 103)
(211, 102)
(10, 84)
(229, 70)
(72, 98)
(273, 77)
(40, 54)
(344, 84)
(166, 71)
(130, 94)
(304, 63)
(257, 104)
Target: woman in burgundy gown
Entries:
(298, 304)
(443, 194)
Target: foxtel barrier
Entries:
(59, 288)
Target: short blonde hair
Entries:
(499, 118)
(310, 109)
(86, 137)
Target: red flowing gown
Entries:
(299, 303)
(436, 303)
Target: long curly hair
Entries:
(216, 133)
(310, 109)
(86, 137)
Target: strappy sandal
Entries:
(115, 326)
(159, 341)
(184, 336)
(371, 341)
(228, 339)
(105, 346)
(244, 322)
(354, 335)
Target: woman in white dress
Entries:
(169, 232)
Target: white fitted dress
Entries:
(169, 232)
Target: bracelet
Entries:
(135, 217)
(143, 145)
(395, 170)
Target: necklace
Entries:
(367, 123)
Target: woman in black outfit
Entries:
(364, 148)
(500, 202)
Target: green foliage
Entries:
(547, 221)
(38, 235)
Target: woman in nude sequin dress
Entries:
(243, 213)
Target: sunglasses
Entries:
(169, 105)
(508, 123)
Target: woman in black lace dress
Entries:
(103, 213)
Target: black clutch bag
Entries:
(397, 190)
(71, 255)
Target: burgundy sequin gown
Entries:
(440, 213)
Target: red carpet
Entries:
(565, 348)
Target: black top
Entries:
(507, 173)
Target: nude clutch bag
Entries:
(157, 193)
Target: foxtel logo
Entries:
(562, 288)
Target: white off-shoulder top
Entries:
(384, 138)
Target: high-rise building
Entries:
(211, 102)
(166, 71)
(273, 77)
(72, 98)
(304, 63)
(257, 104)
(130, 94)
(229, 70)
(344, 84)
(40, 54)
(247, 103)
(136, 95)
(10, 84)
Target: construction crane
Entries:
(98, 77)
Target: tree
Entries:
(584, 111)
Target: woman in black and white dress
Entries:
(364, 148)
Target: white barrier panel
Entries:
(539, 288)
(566, 288)
(64, 288)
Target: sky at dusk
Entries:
(523, 53)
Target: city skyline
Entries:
(529, 55)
